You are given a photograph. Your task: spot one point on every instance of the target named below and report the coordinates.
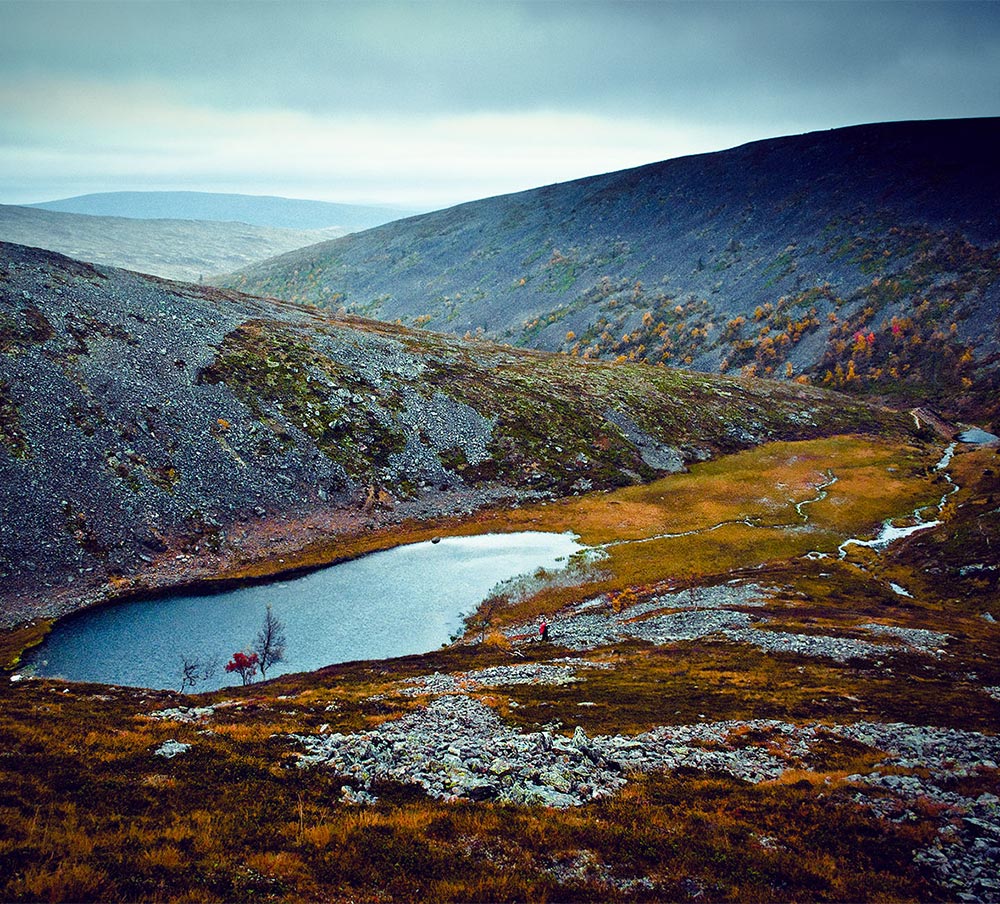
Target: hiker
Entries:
(543, 630)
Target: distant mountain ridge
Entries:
(257, 210)
(865, 258)
(175, 249)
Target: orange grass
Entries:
(875, 480)
(87, 812)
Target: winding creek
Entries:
(888, 533)
(405, 600)
(891, 532)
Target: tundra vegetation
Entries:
(746, 693)
(96, 804)
(864, 259)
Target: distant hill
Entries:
(863, 258)
(154, 432)
(257, 210)
(176, 249)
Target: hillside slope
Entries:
(176, 249)
(258, 210)
(865, 258)
(153, 433)
(749, 691)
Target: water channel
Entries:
(405, 600)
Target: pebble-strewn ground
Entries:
(457, 746)
(687, 615)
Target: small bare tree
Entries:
(482, 618)
(270, 644)
(195, 669)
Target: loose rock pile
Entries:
(963, 857)
(919, 638)
(556, 672)
(841, 649)
(183, 713)
(171, 748)
(459, 747)
(708, 611)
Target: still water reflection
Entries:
(405, 600)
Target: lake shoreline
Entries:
(354, 610)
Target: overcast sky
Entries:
(424, 104)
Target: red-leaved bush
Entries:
(245, 664)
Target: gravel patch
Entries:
(704, 612)
(183, 713)
(593, 623)
(841, 649)
(919, 638)
(722, 596)
(556, 672)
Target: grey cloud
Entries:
(741, 69)
(744, 60)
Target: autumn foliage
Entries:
(245, 665)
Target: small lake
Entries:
(405, 600)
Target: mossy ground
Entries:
(90, 814)
(87, 812)
(14, 643)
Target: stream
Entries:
(890, 532)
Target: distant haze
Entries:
(183, 249)
(257, 210)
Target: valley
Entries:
(771, 672)
(176, 249)
(158, 434)
(189, 236)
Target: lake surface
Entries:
(406, 600)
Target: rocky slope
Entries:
(863, 258)
(153, 432)
(174, 248)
